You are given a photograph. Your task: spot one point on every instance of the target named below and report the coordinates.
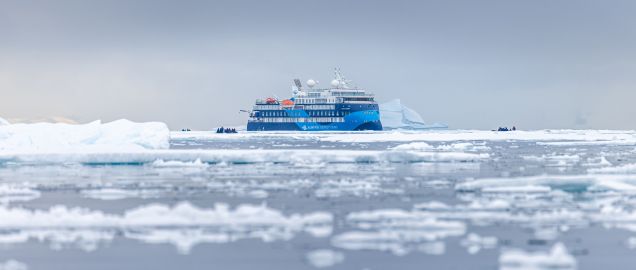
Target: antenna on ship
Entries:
(298, 84)
(297, 87)
(340, 80)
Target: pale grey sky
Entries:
(470, 64)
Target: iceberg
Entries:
(395, 115)
(120, 135)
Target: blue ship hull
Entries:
(358, 120)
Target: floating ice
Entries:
(13, 265)
(557, 258)
(190, 157)
(322, 258)
(109, 194)
(395, 230)
(422, 146)
(11, 193)
(179, 164)
(364, 187)
(432, 248)
(455, 147)
(395, 115)
(474, 242)
(61, 225)
(120, 135)
(627, 168)
(58, 239)
(545, 183)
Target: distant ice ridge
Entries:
(183, 225)
(395, 115)
(4, 122)
(120, 135)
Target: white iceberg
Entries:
(395, 115)
(4, 122)
(118, 135)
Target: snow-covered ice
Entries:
(120, 135)
(4, 122)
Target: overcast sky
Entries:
(470, 64)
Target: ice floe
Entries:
(61, 225)
(13, 265)
(364, 187)
(322, 258)
(17, 193)
(557, 258)
(120, 135)
(474, 242)
(179, 164)
(181, 158)
(109, 194)
(545, 183)
(454, 147)
(394, 230)
(623, 169)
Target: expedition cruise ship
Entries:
(338, 108)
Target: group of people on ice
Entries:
(226, 130)
(507, 129)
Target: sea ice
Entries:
(13, 193)
(474, 242)
(557, 258)
(182, 158)
(120, 135)
(109, 194)
(395, 230)
(322, 258)
(627, 168)
(13, 265)
(61, 225)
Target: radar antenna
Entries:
(342, 81)
(298, 84)
(297, 87)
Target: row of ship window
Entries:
(309, 113)
(301, 120)
(305, 107)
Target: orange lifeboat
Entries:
(288, 102)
